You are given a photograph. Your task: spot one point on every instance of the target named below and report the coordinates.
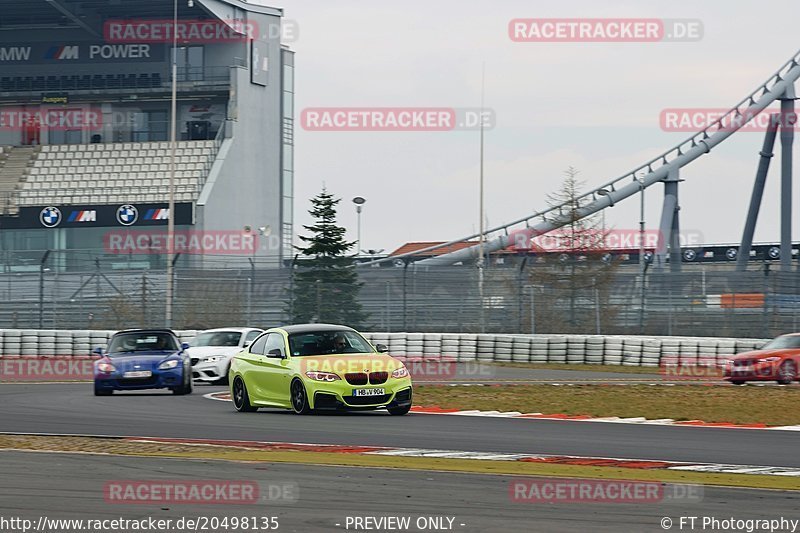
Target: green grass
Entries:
(742, 405)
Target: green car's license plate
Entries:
(369, 392)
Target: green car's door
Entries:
(248, 363)
(276, 371)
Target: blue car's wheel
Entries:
(299, 398)
(102, 392)
(241, 401)
(186, 386)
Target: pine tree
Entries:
(581, 271)
(325, 284)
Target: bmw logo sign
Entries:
(127, 215)
(50, 217)
(689, 255)
(731, 253)
(774, 252)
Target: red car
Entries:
(778, 360)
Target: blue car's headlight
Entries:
(166, 365)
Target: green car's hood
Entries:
(349, 363)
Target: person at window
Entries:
(339, 343)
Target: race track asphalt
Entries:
(34, 485)
(72, 409)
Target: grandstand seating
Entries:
(118, 172)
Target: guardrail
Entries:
(575, 349)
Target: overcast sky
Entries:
(594, 106)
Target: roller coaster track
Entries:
(630, 183)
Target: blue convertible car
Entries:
(143, 359)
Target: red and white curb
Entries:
(641, 464)
(226, 397)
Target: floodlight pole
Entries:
(173, 149)
(481, 223)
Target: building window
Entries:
(191, 63)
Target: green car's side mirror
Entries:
(382, 348)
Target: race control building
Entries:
(85, 124)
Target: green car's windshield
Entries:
(142, 342)
(218, 338)
(784, 341)
(328, 342)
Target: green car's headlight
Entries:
(166, 365)
(322, 376)
(400, 372)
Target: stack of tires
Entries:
(613, 348)
(450, 346)
(632, 351)
(707, 352)
(670, 351)
(81, 342)
(576, 349)
(467, 347)
(397, 344)
(415, 344)
(485, 347)
(521, 349)
(556, 349)
(725, 350)
(379, 338)
(504, 348)
(538, 349)
(30, 343)
(432, 345)
(12, 342)
(651, 351)
(98, 339)
(594, 350)
(64, 343)
(688, 351)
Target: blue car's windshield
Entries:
(141, 342)
(327, 342)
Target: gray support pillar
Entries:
(669, 214)
(758, 193)
(787, 139)
(675, 243)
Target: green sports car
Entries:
(318, 367)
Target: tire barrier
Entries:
(573, 349)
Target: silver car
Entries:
(211, 351)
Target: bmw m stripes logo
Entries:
(83, 216)
(127, 215)
(63, 52)
(50, 217)
(157, 214)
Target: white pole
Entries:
(482, 237)
(173, 147)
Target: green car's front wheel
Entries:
(299, 398)
(241, 400)
(399, 411)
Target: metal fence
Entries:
(85, 292)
